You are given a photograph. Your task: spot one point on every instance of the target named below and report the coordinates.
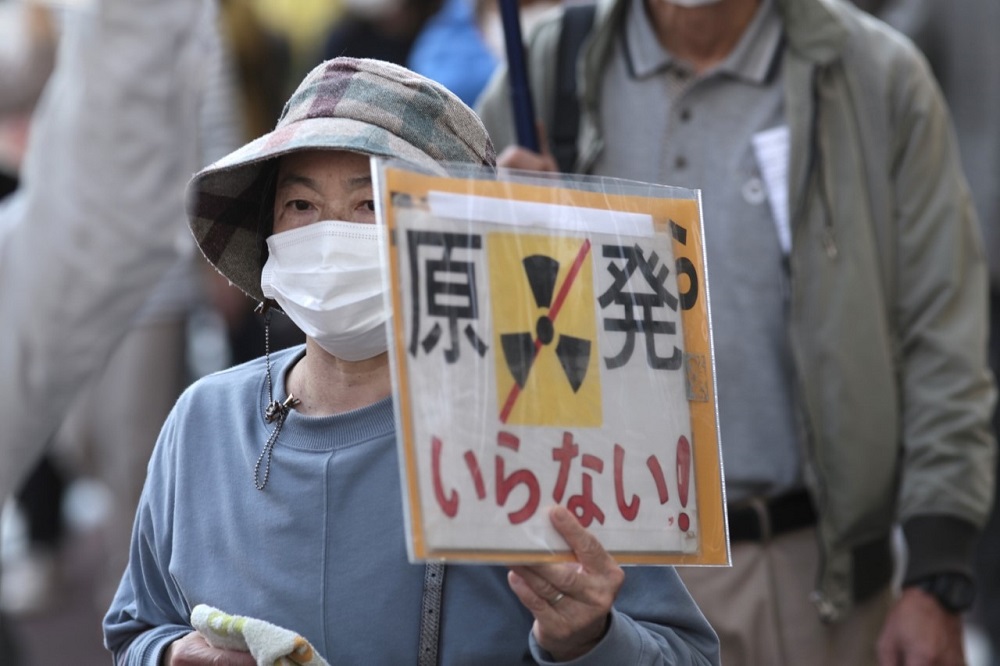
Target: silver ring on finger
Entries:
(556, 599)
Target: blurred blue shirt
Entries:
(451, 51)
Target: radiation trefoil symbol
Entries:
(520, 349)
(547, 332)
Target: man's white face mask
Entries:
(327, 278)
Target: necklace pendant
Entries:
(276, 409)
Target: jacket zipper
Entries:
(825, 607)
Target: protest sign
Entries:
(550, 344)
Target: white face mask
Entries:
(327, 278)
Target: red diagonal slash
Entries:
(515, 390)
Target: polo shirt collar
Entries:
(752, 59)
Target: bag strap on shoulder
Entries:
(564, 126)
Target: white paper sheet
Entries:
(771, 150)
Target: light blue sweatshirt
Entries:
(321, 550)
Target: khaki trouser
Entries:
(761, 609)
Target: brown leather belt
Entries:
(762, 519)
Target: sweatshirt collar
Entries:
(324, 433)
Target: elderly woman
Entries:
(274, 490)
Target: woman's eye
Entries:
(369, 205)
(300, 205)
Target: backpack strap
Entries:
(577, 20)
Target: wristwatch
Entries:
(955, 592)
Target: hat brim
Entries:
(225, 200)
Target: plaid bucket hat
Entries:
(363, 106)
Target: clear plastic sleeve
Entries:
(550, 343)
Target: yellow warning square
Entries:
(544, 330)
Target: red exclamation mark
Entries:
(683, 478)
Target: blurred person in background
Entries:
(462, 43)
(379, 29)
(849, 295)
(450, 49)
(261, 58)
(111, 428)
(28, 38)
(303, 25)
(92, 227)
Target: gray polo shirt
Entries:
(664, 124)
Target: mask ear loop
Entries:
(276, 412)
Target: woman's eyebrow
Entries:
(358, 182)
(296, 179)
(354, 183)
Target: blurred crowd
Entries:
(194, 322)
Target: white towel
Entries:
(269, 644)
